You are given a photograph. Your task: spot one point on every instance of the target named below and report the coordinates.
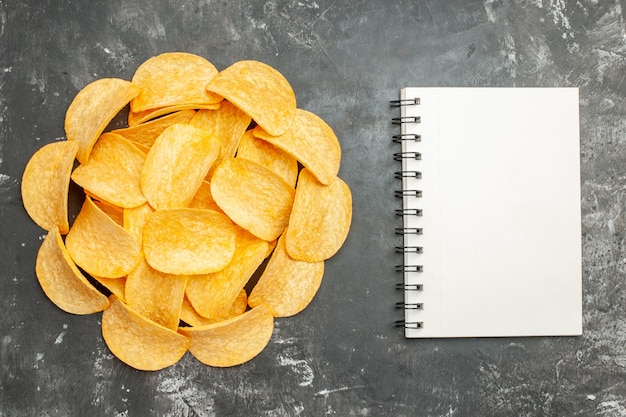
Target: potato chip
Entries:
(177, 164)
(134, 219)
(312, 142)
(194, 203)
(62, 281)
(45, 185)
(204, 199)
(115, 286)
(263, 153)
(99, 245)
(260, 91)
(138, 341)
(188, 241)
(213, 294)
(270, 248)
(93, 108)
(114, 212)
(231, 342)
(145, 133)
(173, 78)
(253, 197)
(227, 123)
(286, 286)
(324, 209)
(190, 316)
(135, 119)
(142, 148)
(113, 172)
(155, 295)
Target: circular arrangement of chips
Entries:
(204, 219)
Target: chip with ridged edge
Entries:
(253, 196)
(45, 185)
(92, 110)
(63, 282)
(99, 245)
(138, 341)
(186, 241)
(233, 341)
(325, 209)
(260, 91)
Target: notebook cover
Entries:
(501, 212)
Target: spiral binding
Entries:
(409, 212)
(409, 230)
(405, 211)
(406, 136)
(405, 102)
(410, 306)
(409, 287)
(410, 324)
(409, 268)
(409, 249)
(406, 119)
(407, 174)
(399, 156)
(408, 193)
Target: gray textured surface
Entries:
(345, 60)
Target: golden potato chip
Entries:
(266, 154)
(320, 219)
(134, 219)
(135, 119)
(312, 142)
(190, 316)
(45, 185)
(145, 133)
(254, 197)
(142, 148)
(231, 342)
(193, 204)
(204, 199)
(188, 241)
(213, 294)
(286, 286)
(177, 164)
(271, 246)
(93, 108)
(260, 91)
(115, 286)
(113, 172)
(173, 78)
(99, 245)
(114, 212)
(155, 295)
(62, 281)
(227, 123)
(138, 341)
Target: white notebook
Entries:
(491, 212)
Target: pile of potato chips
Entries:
(217, 178)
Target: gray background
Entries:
(345, 60)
